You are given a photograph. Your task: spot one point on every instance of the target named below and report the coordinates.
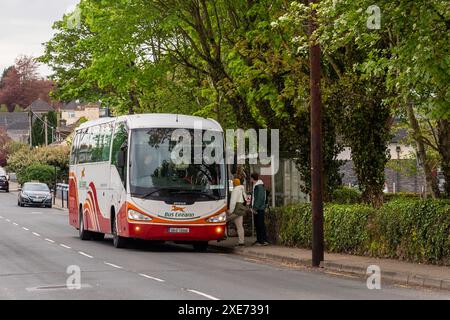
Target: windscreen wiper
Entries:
(152, 192)
(197, 192)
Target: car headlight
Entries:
(219, 218)
(134, 215)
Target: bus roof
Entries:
(158, 120)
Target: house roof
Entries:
(14, 120)
(40, 105)
(77, 105)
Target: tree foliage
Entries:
(20, 85)
(246, 64)
(38, 129)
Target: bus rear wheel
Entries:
(118, 241)
(83, 233)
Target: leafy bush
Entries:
(413, 230)
(346, 195)
(38, 172)
(23, 157)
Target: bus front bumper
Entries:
(176, 232)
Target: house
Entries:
(16, 125)
(401, 155)
(73, 111)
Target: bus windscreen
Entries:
(154, 175)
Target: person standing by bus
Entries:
(238, 209)
(259, 208)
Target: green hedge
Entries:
(412, 230)
(37, 172)
(346, 195)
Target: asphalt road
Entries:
(37, 246)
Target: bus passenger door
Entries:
(119, 167)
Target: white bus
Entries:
(123, 181)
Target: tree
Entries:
(218, 59)
(409, 52)
(38, 129)
(20, 84)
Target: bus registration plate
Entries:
(178, 230)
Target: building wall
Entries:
(19, 135)
(395, 180)
(72, 116)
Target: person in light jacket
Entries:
(238, 195)
(259, 208)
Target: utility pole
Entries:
(30, 122)
(46, 130)
(316, 144)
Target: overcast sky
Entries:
(25, 25)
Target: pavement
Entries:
(399, 272)
(40, 253)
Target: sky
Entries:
(25, 25)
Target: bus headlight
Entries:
(219, 218)
(134, 215)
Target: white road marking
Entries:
(152, 278)
(64, 246)
(26, 229)
(36, 234)
(36, 212)
(85, 254)
(113, 265)
(1, 217)
(49, 240)
(15, 224)
(7, 220)
(203, 294)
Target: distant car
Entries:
(35, 194)
(4, 183)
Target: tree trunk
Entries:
(444, 151)
(421, 152)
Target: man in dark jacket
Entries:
(259, 208)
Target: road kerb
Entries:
(402, 278)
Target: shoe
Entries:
(257, 244)
(265, 244)
(240, 245)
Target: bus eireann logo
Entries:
(178, 209)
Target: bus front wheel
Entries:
(118, 241)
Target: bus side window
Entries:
(83, 149)
(120, 140)
(96, 147)
(73, 155)
(106, 146)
